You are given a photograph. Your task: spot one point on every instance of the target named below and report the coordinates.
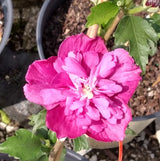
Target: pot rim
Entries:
(47, 7)
(7, 8)
(39, 29)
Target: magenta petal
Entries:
(77, 56)
(41, 71)
(93, 113)
(81, 43)
(127, 74)
(58, 65)
(43, 96)
(90, 60)
(105, 131)
(48, 95)
(102, 105)
(31, 92)
(66, 126)
(77, 105)
(107, 65)
(108, 87)
(74, 67)
(62, 80)
(118, 130)
(96, 128)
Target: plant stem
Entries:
(56, 151)
(120, 150)
(113, 25)
(92, 31)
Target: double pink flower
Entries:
(85, 89)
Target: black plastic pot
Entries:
(6, 157)
(46, 11)
(70, 156)
(137, 123)
(8, 19)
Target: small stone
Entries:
(1, 134)
(152, 156)
(10, 128)
(158, 135)
(87, 156)
(83, 152)
(132, 145)
(145, 146)
(133, 155)
(151, 94)
(142, 136)
(146, 141)
(67, 31)
(148, 151)
(126, 146)
(7, 77)
(93, 158)
(3, 126)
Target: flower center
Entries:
(87, 92)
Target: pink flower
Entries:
(85, 89)
(153, 3)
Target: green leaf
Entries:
(155, 22)
(4, 117)
(43, 158)
(23, 146)
(38, 121)
(137, 9)
(156, 18)
(130, 131)
(102, 13)
(42, 133)
(141, 36)
(52, 136)
(80, 143)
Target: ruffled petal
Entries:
(108, 87)
(74, 67)
(107, 65)
(43, 96)
(51, 96)
(105, 130)
(58, 65)
(71, 126)
(93, 113)
(102, 105)
(31, 92)
(41, 71)
(62, 80)
(81, 43)
(127, 74)
(90, 60)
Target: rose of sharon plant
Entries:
(85, 89)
